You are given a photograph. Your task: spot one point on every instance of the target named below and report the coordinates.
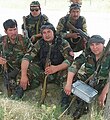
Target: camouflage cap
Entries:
(34, 3)
(75, 6)
(96, 39)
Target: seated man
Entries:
(91, 60)
(50, 56)
(34, 21)
(76, 41)
(13, 47)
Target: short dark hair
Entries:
(49, 26)
(10, 23)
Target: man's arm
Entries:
(70, 78)
(72, 70)
(24, 78)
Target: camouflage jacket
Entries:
(63, 29)
(88, 59)
(60, 50)
(34, 24)
(13, 52)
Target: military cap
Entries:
(10, 23)
(34, 3)
(96, 39)
(75, 6)
(47, 25)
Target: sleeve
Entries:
(77, 63)
(46, 19)
(32, 52)
(67, 52)
(61, 27)
(84, 25)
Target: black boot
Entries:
(80, 110)
(18, 93)
(64, 101)
(77, 114)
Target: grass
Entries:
(29, 109)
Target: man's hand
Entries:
(73, 35)
(24, 82)
(36, 37)
(67, 89)
(51, 69)
(101, 99)
(2, 60)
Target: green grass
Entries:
(29, 109)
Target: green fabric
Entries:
(89, 61)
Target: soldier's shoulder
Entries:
(82, 17)
(44, 16)
(64, 41)
(3, 37)
(28, 17)
(21, 37)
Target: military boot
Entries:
(18, 93)
(80, 110)
(64, 101)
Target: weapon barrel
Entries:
(83, 34)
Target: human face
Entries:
(12, 33)
(48, 35)
(35, 11)
(75, 13)
(97, 48)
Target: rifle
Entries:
(83, 34)
(94, 76)
(44, 89)
(25, 30)
(5, 74)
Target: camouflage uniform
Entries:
(13, 53)
(34, 23)
(62, 29)
(88, 59)
(60, 52)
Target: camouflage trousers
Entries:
(36, 76)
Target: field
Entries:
(97, 14)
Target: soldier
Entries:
(59, 56)
(34, 21)
(12, 50)
(76, 41)
(90, 59)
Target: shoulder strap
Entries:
(20, 38)
(4, 40)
